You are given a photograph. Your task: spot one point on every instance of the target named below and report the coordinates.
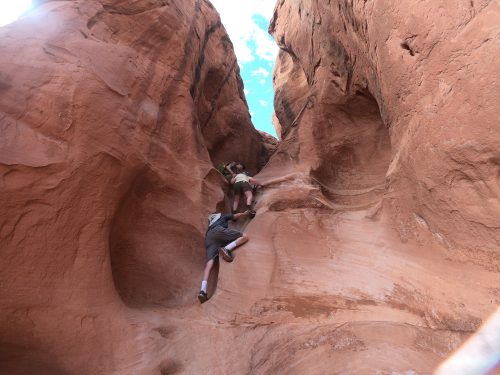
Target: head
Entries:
(240, 167)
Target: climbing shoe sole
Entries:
(225, 255)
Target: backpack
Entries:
(221, 167)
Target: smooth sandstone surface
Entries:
(375, 248)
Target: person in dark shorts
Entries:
(242, 185)
(220, 240)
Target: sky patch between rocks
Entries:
(246, 22)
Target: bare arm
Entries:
(229, 167)
(288, 177)
(253, 181)
(240, 215)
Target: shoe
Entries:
(202, 296)
(252, 213)
(225, 254)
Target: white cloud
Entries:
(260, 71)
(263, 103)
(11, 10)
(266, 47)
(262, 81)
(247, 92)
(236, 16)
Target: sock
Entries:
(204, 286)
(231, 246)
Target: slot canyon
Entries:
(375, 248)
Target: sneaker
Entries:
(225, 254)
(202, 296)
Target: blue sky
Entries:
(258, 79)
(246, 22)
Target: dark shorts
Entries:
(218, 237)
(241, 187)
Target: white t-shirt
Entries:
(242, 177)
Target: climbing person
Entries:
(228, 170)
(220, 240)
(242, 184)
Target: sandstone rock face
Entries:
(384, 191)
(409, 78)
(112, 114)
(269, 142)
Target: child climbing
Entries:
(220, 240)
(228, 170)
(242, 184)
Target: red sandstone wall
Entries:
(418, 83)
(111, 113)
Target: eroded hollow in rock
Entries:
(155, 246)
(355, 152)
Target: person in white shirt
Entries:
(242, 184)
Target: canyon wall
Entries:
(402, 96)
(386, 183)
(112, 116)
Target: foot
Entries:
(225, 254)
(202, 296)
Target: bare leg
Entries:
(225, 252)
(236, 201)
(202, 296)
(240, 241)
(249, 196)
(208, 268)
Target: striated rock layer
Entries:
(112, 114)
